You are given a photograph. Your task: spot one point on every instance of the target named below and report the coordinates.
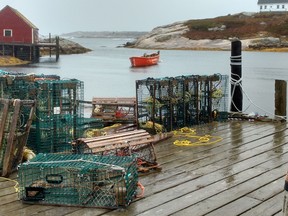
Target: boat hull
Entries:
(144, 61)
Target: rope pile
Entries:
(189, 137)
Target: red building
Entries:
(15, 28)
(19, 37)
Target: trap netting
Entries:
(79, 180)
(59, 114)
(175, 102)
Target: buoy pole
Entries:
(236, 77)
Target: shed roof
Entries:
(20, 15)
(272, 1)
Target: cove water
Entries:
(106, 70)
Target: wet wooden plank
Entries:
(212, 203)
(88, 212)
(165, 196)
(242, 174)
(11, 206)
(269, 207)
(236, 208)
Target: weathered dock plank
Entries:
(243, 174)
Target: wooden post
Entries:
(57, 48)
(49, 46)
(280, 98)
(236, 76)
(285, 202)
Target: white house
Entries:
(273, 5)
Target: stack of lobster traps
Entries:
(58, 115)
(176, 102)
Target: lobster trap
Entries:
(114, 110)
(15, 122)
(79, 180)
(176, 102)
(58, 116)
(137, 142)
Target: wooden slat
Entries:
(3, 120)
(7, 163)
(126, 133)
(123, 140)
(122, 145)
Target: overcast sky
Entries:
(64, 16)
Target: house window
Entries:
(278, 6)
(7, 32)
(283, 6)
(261, 7)
(265, 6)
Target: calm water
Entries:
(106, 70)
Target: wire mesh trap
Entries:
(59, 115)
(175, 102)
(79, 180)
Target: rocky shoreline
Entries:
(172, 37)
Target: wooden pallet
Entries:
(13, 132)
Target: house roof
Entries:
(21, 16)
(272, 1)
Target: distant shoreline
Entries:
(74, 48)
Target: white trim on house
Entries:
(7, 32)
(275, 7)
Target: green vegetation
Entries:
(241, 25)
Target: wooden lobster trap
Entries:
(114, 110)
(136, 142)
(15, 122)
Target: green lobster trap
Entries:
(59, 114)
(79, 180)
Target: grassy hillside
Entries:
(242, 26)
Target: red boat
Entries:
(145, 60)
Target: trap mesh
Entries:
(176, 102)
(59, 114)
(79, 180)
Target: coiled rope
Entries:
(191, 139)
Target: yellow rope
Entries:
(197, 140)
(16, 186)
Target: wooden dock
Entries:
(240, 174)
